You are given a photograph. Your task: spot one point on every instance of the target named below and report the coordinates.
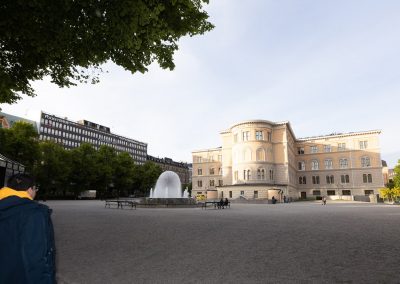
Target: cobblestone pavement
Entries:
(301, 242)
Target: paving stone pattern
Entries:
(301, 242)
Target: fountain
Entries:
(168, 191)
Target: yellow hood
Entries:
(6, 192)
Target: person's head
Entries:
(23, 182)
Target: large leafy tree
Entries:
(52, 169)
(124, 173)
(20, 143)
(83, 168)
(68, 40)
(104, 169)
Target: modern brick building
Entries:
(260, 159)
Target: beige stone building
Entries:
(260, 159)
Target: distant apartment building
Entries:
(71, 134)
(167, 164)
(260, 159)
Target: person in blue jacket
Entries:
(27, 249)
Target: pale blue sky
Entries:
(325, 66)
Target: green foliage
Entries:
(20, 143)
(149, 173)
(390, 194)
(69, 40)
(53, 168)
(396, 178)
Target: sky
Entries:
(324, 66)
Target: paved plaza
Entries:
(302, 242)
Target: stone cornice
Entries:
(338, 135)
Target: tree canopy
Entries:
(69, 40)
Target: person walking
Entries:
(27, 249)
(323, 200)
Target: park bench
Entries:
(120, 203)
(216, 205)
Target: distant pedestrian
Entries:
(273, 200)
(323, 200)
(26, 234)
(226, 202)
(221, 204)
(284, 199)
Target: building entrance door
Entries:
(303, 195)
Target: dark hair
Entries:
(21, 182)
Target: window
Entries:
(244, 174)
(368, 192)
(220, 182)
(256, 194)
(259, 135)
(314, 165)
(328, 164)
(269, 134)
(363, 145)
(327, 148)
(302, 166)
(246, 135)
(341, 146)
(236, 175)
(300, 150)
(331, 192)
(302, 180)
(346, 192)
(248, 174)
(242, 192)
(211, 182)
(271, 174)
(343, 163)
(220, 171)
(314, 149)
(367, 178)
(365, 162)
(345, 179)
(330, 179)
(199, 160)
(315, 179)
(199, 183)
(260, 154)
(258, 174)
(230, 194)
(199, 172)
(316, 192)
(235, 138)
(211, 171)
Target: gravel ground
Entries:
(302, 242)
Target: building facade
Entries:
(260, 159)
(167, 164)
(71, 134)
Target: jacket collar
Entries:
(6, 192)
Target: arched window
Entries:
(314, 165)
(260, 154)
(248, 174)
